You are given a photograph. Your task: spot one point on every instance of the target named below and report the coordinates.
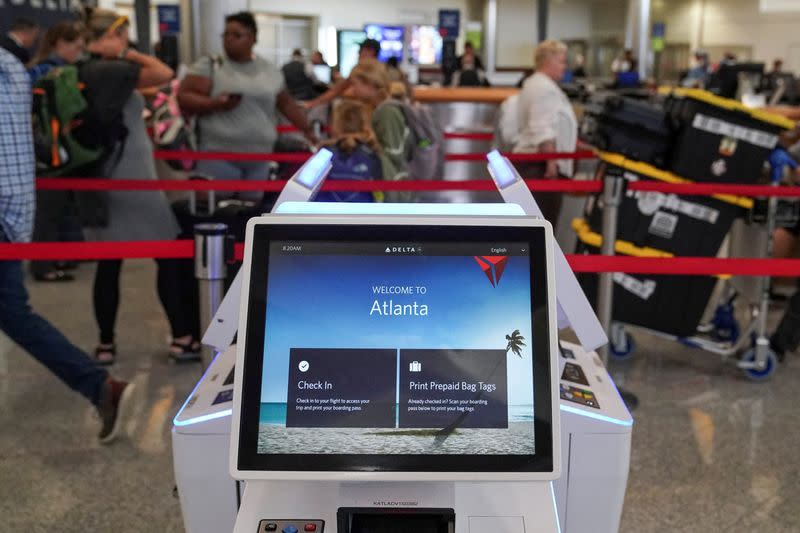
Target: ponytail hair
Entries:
(62, 31)
(350, 126)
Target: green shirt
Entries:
(395, 138)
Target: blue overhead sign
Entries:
(449, 22)
(169, 19)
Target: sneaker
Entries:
(115, 402)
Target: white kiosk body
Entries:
(595, 445)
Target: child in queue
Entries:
(355, 151)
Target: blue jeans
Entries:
(41, 339)
(236, 170)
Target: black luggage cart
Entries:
(658, 225)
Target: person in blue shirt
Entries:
(355, 151)
(63, 44)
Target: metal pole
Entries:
(762, 335)
(644, 38)
(142, 12)
(612, 198)
(210, 269)
(490, 37)
(542, 15)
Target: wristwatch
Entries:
(123, 53)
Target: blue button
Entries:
(290, 529)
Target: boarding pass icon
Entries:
(415, 366)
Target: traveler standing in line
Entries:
(368, 50)
(63, 44)
(547, 122)
(112, 77)
(371, 85)
(236, 98)
(21, 39)
(299, 77)
(31, 332)
(355, 151)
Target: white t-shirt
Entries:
(250, 126)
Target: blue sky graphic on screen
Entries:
(396, 353)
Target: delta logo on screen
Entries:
(493, 266)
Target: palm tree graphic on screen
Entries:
(514, 343)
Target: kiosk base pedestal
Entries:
(397, 507)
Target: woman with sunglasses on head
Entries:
(112, 76)
(236, 98)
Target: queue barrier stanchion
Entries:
(613, 187)
(212, 251)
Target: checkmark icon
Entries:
(303, 366)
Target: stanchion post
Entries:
(210, 269)
(613, 187)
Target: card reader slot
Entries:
(381, 520)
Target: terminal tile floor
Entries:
(711, 451)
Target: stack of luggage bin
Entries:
(708, 139)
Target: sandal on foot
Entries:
(185, 351)
(105, 354)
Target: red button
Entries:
(310, 527)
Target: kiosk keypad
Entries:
(291, 526)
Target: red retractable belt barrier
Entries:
(184, 249)
(289, 128)
(469, 136)
(520, 158)
(709, 189)
(577, 186)
(300, 157)
(92, 184)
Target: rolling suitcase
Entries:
(636, 129)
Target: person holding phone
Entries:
(236, 98)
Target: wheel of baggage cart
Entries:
(623, 347)
(763, 374)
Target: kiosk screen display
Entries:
(348, 43)
(425, 45)
(392, 39)
(398, 348)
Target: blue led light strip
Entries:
(504, 174)
(312, 172)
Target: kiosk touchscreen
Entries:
(397, 362)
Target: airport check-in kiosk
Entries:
(397, 373)
(589, 413)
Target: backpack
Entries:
(170, 129)
(360, 164)
(59, 111)
(427, 154)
